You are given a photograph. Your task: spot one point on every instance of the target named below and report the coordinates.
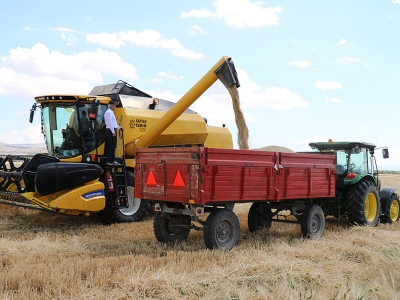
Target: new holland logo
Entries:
(93, 194)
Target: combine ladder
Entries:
(118, 173)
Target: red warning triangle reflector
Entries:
(178, 180)
(151, 179)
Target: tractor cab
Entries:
(354, 160)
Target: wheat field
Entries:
(51, 256)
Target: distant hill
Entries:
(22, 149)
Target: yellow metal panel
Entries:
(73, 200)
(218, 137)
(187, 129)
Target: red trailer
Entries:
(185, 183)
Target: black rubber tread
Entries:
(385, 218)
(164, 230)
(138, 215)
(312, 222)
(355, 203)
(259, 216)
(221, 230)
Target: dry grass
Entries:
(48, 256)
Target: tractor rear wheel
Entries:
(221, 230)
(171, 228)
(312, 222)
(363, 204)
(392, 212)
(259, 216)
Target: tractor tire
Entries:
(363, 204)
(174, 228)
(137, 207)
(259, 216)
(221, 230)
(392, 212)
(312, 222)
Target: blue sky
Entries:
(309, 70)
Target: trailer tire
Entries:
(363, 204)
(137, 207)
(221, 230)
(392, 212)
(166, 232)
(312, 222)
(259, 216)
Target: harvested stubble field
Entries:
(49, 256)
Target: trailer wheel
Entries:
(363, 204)
(259, 216)
(392, 210)
(137, 207)
(221, 230)
(312, 222)
(172, 228)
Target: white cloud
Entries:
(328, 85)
(251, 96)
(202, 13)
(396, 1)
(292, 41)
(239, 13)
(353, 61)
(30, 135)
(111, 40)
(196, 29)
(336, 100)
(349, 60)
(64, 29)
(31, 29)
(341, 42)
(216, 103)
(70, 38)
(170, 75)
(36, 71)
(146, 38)
(299, 63)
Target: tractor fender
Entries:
(384, 196)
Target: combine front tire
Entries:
(259, 216)
(363, 204)
(392, 212)
(312, 222)
(137, 207)
(221, 230)
(171, 228)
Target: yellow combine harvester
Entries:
(74, 177)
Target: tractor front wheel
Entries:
(363, 204)
(392, 212)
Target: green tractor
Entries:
(358, 188)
